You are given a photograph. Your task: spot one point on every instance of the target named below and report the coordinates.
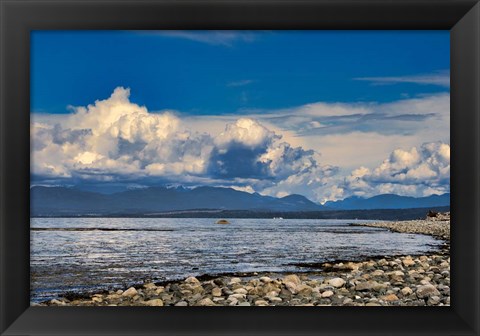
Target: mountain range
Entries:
(58, 201)
(389, 201)
(61, 200)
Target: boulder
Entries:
(336, 282)
(131, 292)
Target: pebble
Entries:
(206, 302)
(130, 292)
(336, 282)
(327, 294)
(216, 291)
(154, 302)
(426, 291)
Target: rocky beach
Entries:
(408, 280)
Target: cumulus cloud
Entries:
(247, 149)
(115, 138)
(417, 172)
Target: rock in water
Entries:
(223, 221)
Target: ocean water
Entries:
(86, 254)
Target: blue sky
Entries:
(342, 101)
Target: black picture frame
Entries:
(19, 17)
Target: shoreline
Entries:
(375, 281)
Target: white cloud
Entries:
(440, 78)
(213, 37)
(240, 83)
(419, 171)
(116, 137)
(246, 131)
(349, 135)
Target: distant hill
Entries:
(389, 201)
(58, 201)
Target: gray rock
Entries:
(427, 291)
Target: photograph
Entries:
(239, 168)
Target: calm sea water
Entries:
(84, 254)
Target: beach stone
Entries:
(219, 282)
(244, 304)
(131, 292)
(206, 302)
(291, 282)
(150, 285)
(154, 303)
(216, 291)
(292, 278)
(237, 296)
(304, 289)
(57, 302)
(391, 297)
(382, 262)
(113, 297)
(240, 291)
(234, 281)
(181, 304)
(272, 293)
(408, 262)
(371, 304)
(406, 291)
(427, 291)
(97, 299)
(261, 303)
(192, 280)
(434, 300)
(269, 287)
(336, 282)
(377, 273)
(197, 289)
(327, 294)
(367, 285)
(233, 302)
(274, 299)
(237, 286)
(265, 279)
